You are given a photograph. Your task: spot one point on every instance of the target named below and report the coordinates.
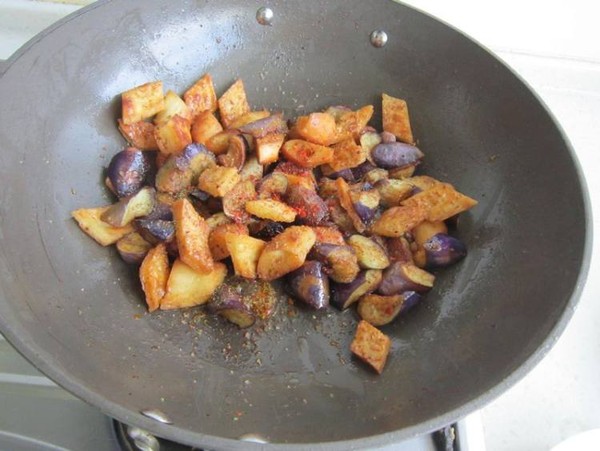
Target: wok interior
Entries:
(76, 310)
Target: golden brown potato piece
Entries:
(154, 273)
(267, 147)
(352, 123)
(346, 202)
(245, 252)
(142, 102)
(173, 135)
(216, 220)
(318, 128)
(379, 310)
(252, 170)
(423, 182)
(248, 118)
(428, 229)
(371, 346)
(188, 288)
(286, 252)
(271, 209)
(216, 240)
(375, 175)
(392, 192)
(402, 173)
(347, 154)
(218, 181)
(306, 154)
(306, 181)
(201, 97)
(192, 232)
(139, 134)
(174, 106)
(328, 235)
(419, 257)
(440, 202)
(165, 198)
(399, 250)
(90, 222)
(204, 127)
(233, 103)
(219, 143)
(396, 221)
(396, 119)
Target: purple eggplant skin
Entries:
(310, 285)
(265, 229)
(200, 195)
(236, 153)
(362, 169)
(196, 158)
(262, 127)
(387, 137)
(131, 207)
(366, 205)
(182, 171)
(310, 208)
(345, 294)
(230, 303)
(128, 170)
(172, 249)
(340, 261)
(161, 211)
(155, 230)
(133, 248)
(273, 186)
(346, 174)
(400, 277)
(411, 298)
(395, 155)
(190, 155)
(381, 310)
(443, 250)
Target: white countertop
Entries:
(555, 46)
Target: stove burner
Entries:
(131, 438)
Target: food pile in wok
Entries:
(212, 194)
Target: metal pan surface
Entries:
(76, 312)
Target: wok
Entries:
(76, 312)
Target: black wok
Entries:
(76, 312)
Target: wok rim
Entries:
(43, 361)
